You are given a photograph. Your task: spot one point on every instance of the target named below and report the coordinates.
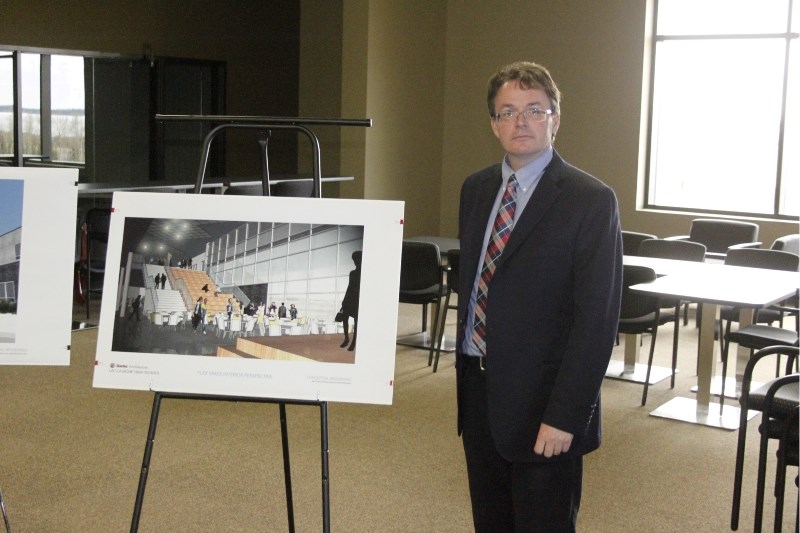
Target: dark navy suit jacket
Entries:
(553, 306)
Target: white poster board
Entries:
(37, 256)
(306, 244)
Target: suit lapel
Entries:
(547, 192)
(484, 196)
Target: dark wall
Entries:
(258, 41)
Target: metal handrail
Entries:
(266, 124)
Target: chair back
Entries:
(761, 258)
(420, 266)
(669, 249)
(295, 188)
(718, 235)
(453, 260)
(298, 188)
(97, 221)
(788, 243)
(636, 304)
(631, 241)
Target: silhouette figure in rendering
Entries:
(350, 302)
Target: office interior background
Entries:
(417, 69)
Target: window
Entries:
(52, 104)
(7, 291)
(725, 108)
(96, 112)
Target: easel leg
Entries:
(148, 452)
(326, 500)
(287, 469)
(151, 435)
(5, 516)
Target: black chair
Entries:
(297, 188)
(640, 313)
(717, 235)
(756, 258)
(453, 260)
(422, 283)
(631, 241)
(788, 455)
(776, 400)
(757, 337)
(95, 235)
(787, 243)
(674, 249)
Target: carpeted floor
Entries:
(72, 456)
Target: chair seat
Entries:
(757, 337)
(765, 316)
(421, 296)
(640, 323)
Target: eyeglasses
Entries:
(529, 115)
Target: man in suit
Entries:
(541, 264)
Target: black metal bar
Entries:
(287, 468)
(5, 515)
(263, 142)
(286, 126)
(148, 452)
(201, 172)
(326, 489)
(266, 120)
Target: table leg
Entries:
(632, 343)
(423, 339)
(630, 369)
(698, 411)
(706, 355)
(742, 354)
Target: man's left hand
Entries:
(551, 441)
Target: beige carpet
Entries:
(72, 454)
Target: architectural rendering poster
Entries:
(37, 256)
(287, 298)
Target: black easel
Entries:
(5, 516)
(287, 471)
(263, 125)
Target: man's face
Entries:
(523, 140)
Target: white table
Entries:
(715, 285)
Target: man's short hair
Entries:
(529, 75)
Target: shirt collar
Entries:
(528, 175)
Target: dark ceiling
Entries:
(155, 238)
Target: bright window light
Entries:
(722, 109)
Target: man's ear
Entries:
(495, 130)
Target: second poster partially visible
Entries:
(37, 258)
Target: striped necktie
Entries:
(501, 231)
